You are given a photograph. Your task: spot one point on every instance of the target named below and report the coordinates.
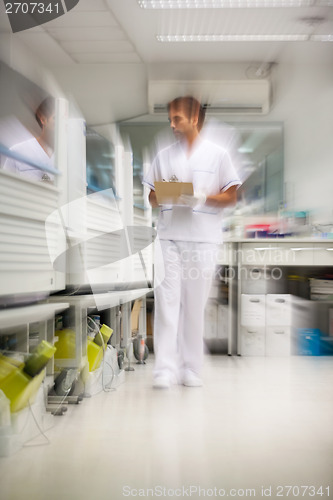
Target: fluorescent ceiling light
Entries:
(245, 150)
(228, 4)
(322, 38)
(232, 38)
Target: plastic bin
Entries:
(326, 346)
(8, 366)
(308, 341)
(105, 332)
(66, 344)
(39, 358)
(20, 388)
(95, 354)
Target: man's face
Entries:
(48, 123)
(182, 126)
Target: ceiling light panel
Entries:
(232, 38)
(229, 4)
(322, 38)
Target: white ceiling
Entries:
(107, 31)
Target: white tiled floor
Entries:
(257, 423)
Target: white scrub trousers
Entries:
(183, 278)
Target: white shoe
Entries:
(161, 382)
(192, 380)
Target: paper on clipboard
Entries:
(169, 192)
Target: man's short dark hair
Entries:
(46, 108)
(191, 107)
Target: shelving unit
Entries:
(113, 306)
(266, 253)
(18, 321)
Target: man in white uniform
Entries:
(188, 234)
(38, 150)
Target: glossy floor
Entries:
(258, 427)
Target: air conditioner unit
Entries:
(230, 97)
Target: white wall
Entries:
(15, 54)
(305, 106)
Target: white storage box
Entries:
(278, 341)
(252, 341)
(278, 309)
(253, 310)
(262, 280)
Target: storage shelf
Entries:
(18, 316)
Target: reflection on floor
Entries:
(258, 426)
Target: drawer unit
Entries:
(252, 341)
(323, 254)
(278, 341)
(278, 310)
(253, 310)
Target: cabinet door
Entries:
(323, 254)
(277, 254)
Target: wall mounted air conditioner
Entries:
(231, 97)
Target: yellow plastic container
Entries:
(39, 358)
(94, 354)
(65, 344)
(8, 366)
(20, 388)
(105, 332)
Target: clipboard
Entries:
(169, 192)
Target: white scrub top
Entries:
(32, 150)
(210, 168)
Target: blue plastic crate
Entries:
(308, 341)
(326, 346)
